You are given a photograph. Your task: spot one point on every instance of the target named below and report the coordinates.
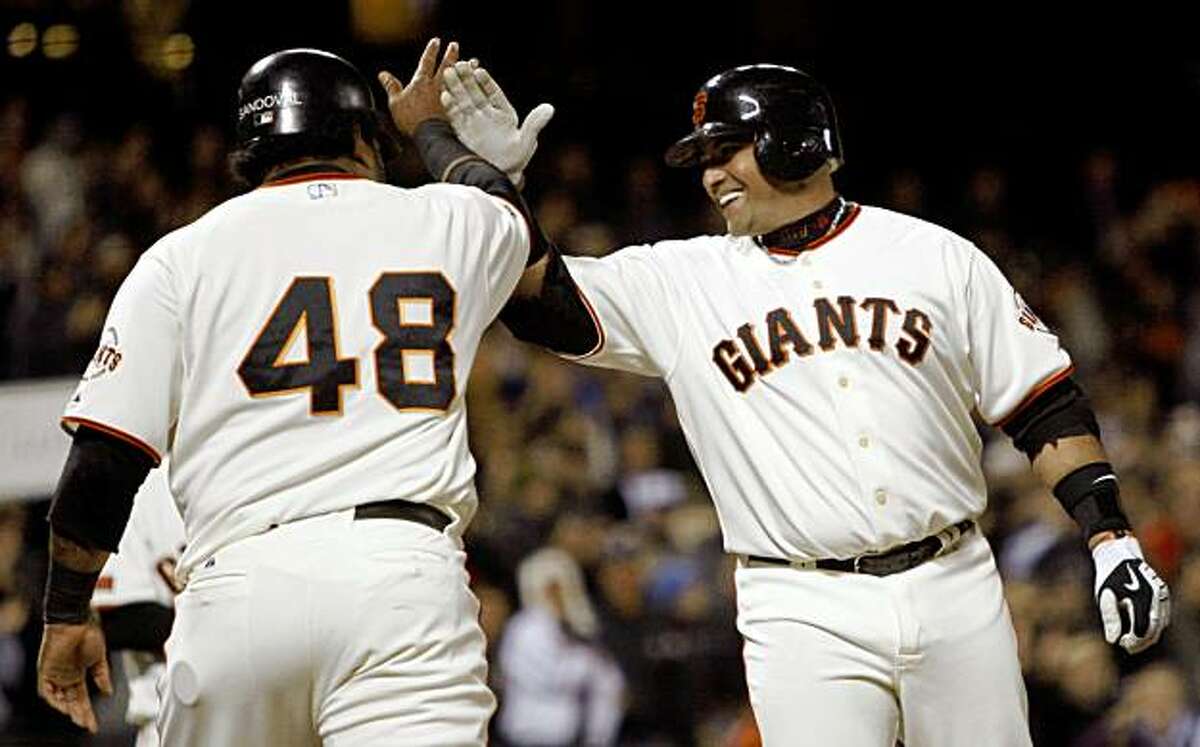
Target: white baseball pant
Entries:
(329, 631)
(928, 656)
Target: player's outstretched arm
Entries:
(1058, 432)
(545, 308)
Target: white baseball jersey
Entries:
(304, 348)
(827, 396)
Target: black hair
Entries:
(334, 139)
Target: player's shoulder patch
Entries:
(1027, 318)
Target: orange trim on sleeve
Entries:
(115, 433)
(1037, 392)
(595, 320)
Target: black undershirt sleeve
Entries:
(94, 497)
(1062, 410)
(144, 626)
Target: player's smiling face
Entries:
(750, 204)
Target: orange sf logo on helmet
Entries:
(698, 105)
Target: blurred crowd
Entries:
(596, 555)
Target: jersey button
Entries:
(818, 284)
(881, 496)
(804, 260)
(843, 382)
(864, 442)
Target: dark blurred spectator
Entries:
(906, 193)
(495, 610)
(559, 688)
(1073, 302)
(1154, 710)
(646, 489)
(985, 211)
(1183, 636)
(1043, 542)
(557, 213)
(626, 628)
(14, 607)
(575, 172)
(208, 177)
(52, 180)
(646, 218)
(1071, 690)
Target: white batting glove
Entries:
(1135, 604)
(487, 123)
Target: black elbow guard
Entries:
(94, 497)
(558, 318)
(1062, 410)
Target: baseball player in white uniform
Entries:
(826, 358)
(301, 352)
(135, 597)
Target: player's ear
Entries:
(367, 150)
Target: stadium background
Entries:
(1067, 155)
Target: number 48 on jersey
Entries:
(308, 305)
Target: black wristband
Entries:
(1091, 496)
(68, 595)
(440, 149)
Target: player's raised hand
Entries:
(487, 123)
(421, 99)
(1135, 604)
(69, 654)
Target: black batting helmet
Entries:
(786, 113)
(301, 102)
(297, 90)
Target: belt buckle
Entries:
(858, 563)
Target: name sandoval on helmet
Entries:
(271, 101)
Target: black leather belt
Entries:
(421, 513)
(896, 560)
